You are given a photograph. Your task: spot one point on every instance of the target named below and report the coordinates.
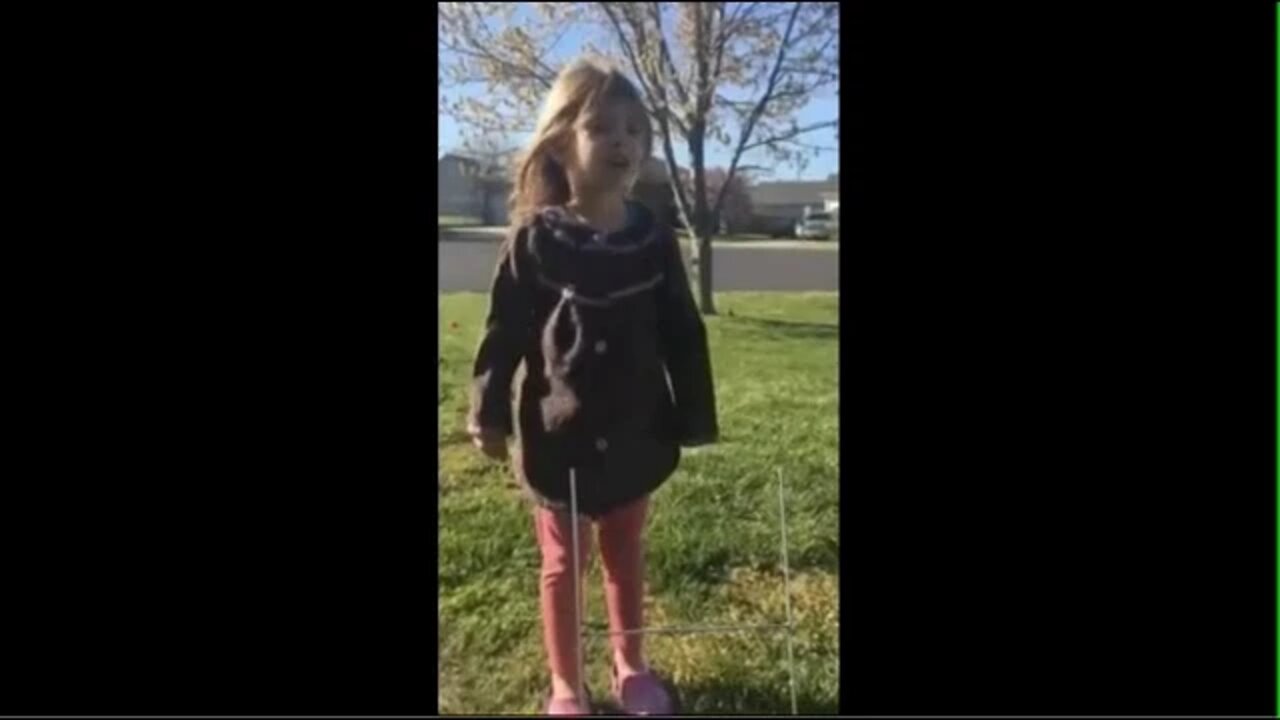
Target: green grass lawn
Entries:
(456, 221)
(713, 540)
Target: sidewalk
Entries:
(495, 234)
(773, 244)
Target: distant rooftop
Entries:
(800, 192)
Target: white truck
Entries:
(815, 224)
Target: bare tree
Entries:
(735, 207)
(735, 74)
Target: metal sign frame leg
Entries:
(577, 587)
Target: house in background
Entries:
(831, 204)
(468, 189)
(777, 206)
(455, 184)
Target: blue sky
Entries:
(819, 109)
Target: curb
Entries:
(496, 237)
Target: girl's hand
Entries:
(492, 443)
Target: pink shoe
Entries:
(642, 694)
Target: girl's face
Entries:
(606, 146)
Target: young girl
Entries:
(592, 320)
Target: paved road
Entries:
(468, 266)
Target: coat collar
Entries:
(637, 233)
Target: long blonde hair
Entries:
(540, 180)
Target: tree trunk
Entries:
(703, 255)
(702, 229)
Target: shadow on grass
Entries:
(784, 329)
(721, 698)
(457, 436)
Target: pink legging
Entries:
(622, 552)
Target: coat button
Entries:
(602, 444)
(601, 347)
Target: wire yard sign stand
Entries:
(789, 626)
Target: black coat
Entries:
(608, 357)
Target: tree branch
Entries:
(791, 134)
(480, 39)
(707, 88)
(677, 187)
(664, 56)
(760, 106)
(720, 43)
(702, 69)
(485, 54)
(627, 49)
(554, 43)
(663, 115)
(820, 148)
(653, 66)
(797, 92)
(741, 12)
(655, 91)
